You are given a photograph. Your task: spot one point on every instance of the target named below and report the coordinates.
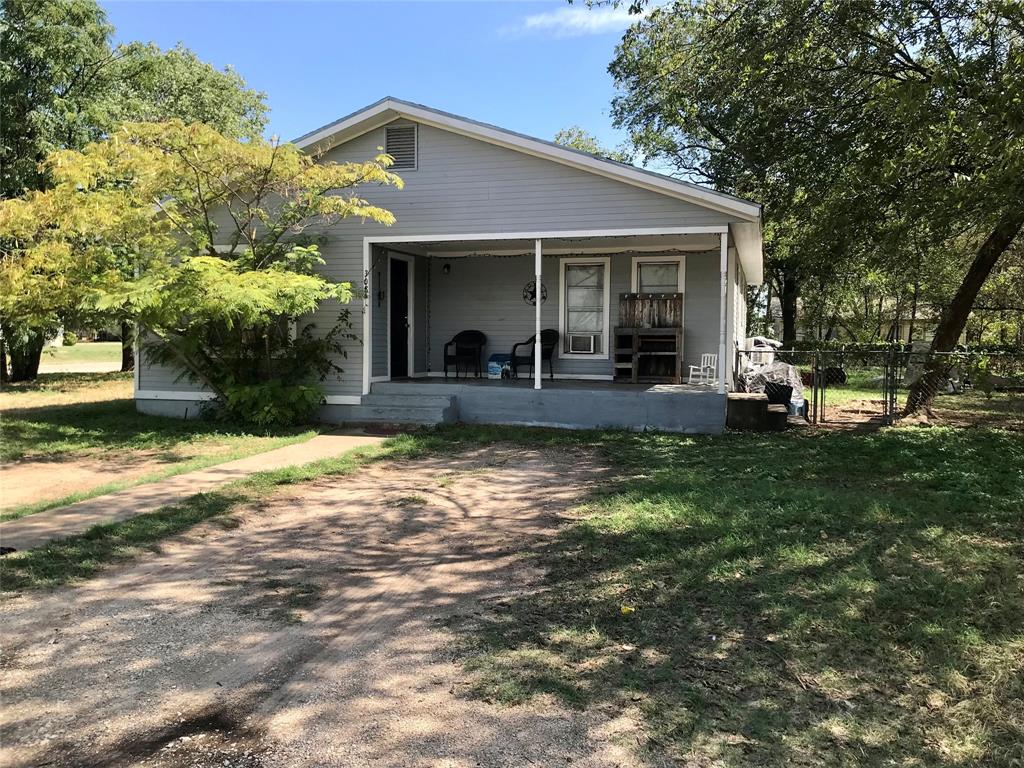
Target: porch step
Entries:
(777, 418)
(746, 411)
(751, 411)
(406, 398)
(405, 409)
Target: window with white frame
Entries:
(656, 274)
(584, 307)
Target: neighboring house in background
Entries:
(483, 214)
(923, 326)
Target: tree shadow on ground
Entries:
(826, 598)
(304, 631)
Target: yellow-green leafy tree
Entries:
(208, 243)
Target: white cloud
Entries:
(574, 22)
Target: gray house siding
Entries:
(465, 186)
(162, 378)
(700, 313)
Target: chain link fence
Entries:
(855, 387)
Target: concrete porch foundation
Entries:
(563, 403)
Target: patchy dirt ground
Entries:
(56, 389)
(307, 632)
(35, 480)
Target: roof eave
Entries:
(747, 238)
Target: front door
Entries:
(399, 317)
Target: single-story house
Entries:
(640, 276)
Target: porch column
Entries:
(537, 304)
(722, 316)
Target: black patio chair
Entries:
(548, 342)
(466, 347)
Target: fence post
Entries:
(887, 384)
(814, 384)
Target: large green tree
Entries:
(151, 85)
(208, 243)
(577, 138)
(64, 85)
(881, 118)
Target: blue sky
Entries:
(533, 67)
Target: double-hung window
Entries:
(584, 307)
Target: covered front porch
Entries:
(423, 291)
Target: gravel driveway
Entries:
(307, 632)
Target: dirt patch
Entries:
(27, 482)
(853, 415)
(66, 389)
(1006, 411)
(314, 632)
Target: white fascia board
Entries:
(564, 234)
(388, 109)
(383, 111)
(749, 247)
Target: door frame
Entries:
(411, 290)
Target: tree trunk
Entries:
(788, 300)
(25, 358)
(954, 318)
(3, 358)
(127, 347)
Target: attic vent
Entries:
(400, 143)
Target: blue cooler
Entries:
(495, 363)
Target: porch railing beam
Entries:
(537, 304)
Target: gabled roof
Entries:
(389, 109)
(745, 229)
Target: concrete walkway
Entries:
(42, 527)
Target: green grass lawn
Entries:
(812, 598)
(806, 598)
(83, 352)
(66, 431)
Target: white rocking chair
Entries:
(707, 372)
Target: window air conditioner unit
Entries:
(581, 343)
